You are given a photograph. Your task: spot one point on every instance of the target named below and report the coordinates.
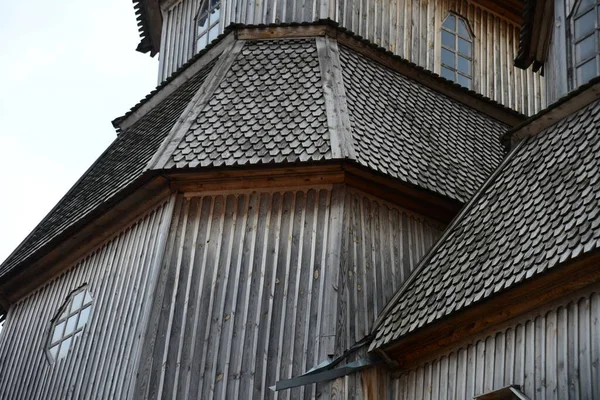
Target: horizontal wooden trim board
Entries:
(505, 306)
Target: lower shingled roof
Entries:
(539, 210)
(123, 162)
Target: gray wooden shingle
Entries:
(269, 107)
(408, 131)
(540, 210)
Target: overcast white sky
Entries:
(67, 68)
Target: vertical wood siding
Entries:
(409, 28)
(555, 355)
(178, 40)
(100, 362)
(249, 287)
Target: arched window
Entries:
(68, 323)
(457, 51)
(585, 35)
(207, 23)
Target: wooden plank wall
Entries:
(552, 355)
(558, 53)
(409, 28)
(250, 288)
(100, 362)
(178, 40)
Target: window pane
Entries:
(462, 29)
(447, 73)
(202, 42)
(213, 3)
(71, 324)
(585, 49)
(77, 301)
(88, 298)
(54, 351)
(58, 332)
(64, 348)
(584, 5)
(83, 317)
(213, 33)
(586, 72)
(585, 24)
(464, 81)
(464, 47)
(215, 15)
(203, 23)
(450, 22)
(464, 65)
(448, 58)
(448, 40)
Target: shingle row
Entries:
(410, 132)
(541, 210)
(269, 107)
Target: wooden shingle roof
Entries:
(267, 104)
(538, 211)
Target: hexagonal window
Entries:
(68, 324)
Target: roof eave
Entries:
(496, 311)
(149, 20)
(535, 35)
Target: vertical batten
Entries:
(551, 355)
(408, 28)
(115, 274)
(259, 298)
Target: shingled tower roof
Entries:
(244, 103)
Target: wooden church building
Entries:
(377, 199)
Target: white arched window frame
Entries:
(456, 53)
(208, 20)
(584, 35)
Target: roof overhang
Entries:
(536, 32)
(154, 187)
(149, 20)
(488, 316)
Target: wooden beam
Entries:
(509, 9)
(405, 195)
(493, 312)
(556, 113)
(283, 32)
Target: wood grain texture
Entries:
(552, 353)
(100, 362)
(408, 28)
(257, 284)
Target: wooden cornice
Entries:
(532, 294)
(94, 230)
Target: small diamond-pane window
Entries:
(69, 323)
(457, 51)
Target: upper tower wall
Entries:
(412, 29)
